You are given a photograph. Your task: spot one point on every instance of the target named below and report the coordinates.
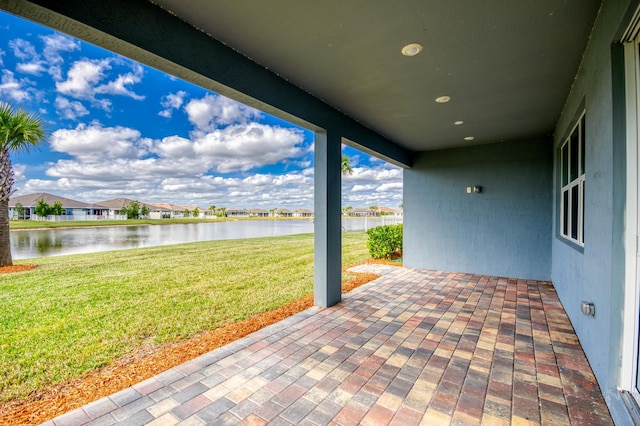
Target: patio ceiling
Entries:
(507, 66)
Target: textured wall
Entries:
(505, 230)
(596, 273)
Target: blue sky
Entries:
(121, 129)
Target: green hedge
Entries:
(384, 241)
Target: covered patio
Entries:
(412, 347)
(517, 125)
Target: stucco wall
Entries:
(505, 230)
(596, 274)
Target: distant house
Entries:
(235, 212)
(201, 211)
(258, 213)
(388, 211)
(118, 205)
(282, 213)
(172, 210)
(303, 213)
(363, 212)
(115, 208)
(72, 208)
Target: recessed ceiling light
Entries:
(458, 123)
(469, 138)
(411, 49)
(443, 99)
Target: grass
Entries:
(73, 314)
(36, 224)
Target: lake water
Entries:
(54, 242)
(26, 244)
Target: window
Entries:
(573, 185)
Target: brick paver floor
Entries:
(414, 346)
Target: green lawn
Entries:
(76, 313)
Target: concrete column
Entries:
(327, 223)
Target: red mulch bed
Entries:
(148, 361)
(16, 268)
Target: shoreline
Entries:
(147, 222)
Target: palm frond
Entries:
(19, 129)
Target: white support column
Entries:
(327, 223)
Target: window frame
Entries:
(572, 189)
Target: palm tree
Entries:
(19, 132)
(346, 165)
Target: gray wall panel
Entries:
(505, 230)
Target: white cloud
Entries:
(170, 102)
(118, 155)
(112, 152)
(113, 162)
(214, 111)
(23, 49)
(378, 185)
(174, 147)
(147, 170)
(302, 164)
(53, 45)
(288, 179)
(388, 187)
(69, 110)
(269, 191)
(119, 86)
(33, 68)
(94, 142)
(175, 177)
(133, 179)
(63, 185)
(82, 78)
(31, 63)
(87, 189)
(384, 172)
(12, 88)
(258, 180)
(85, 77)
(244, 147)
(56, 43)
(18, 172)
(361, 188)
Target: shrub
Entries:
(43, 209)
(384, 241)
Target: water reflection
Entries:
(42, 243)
(27, 244)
